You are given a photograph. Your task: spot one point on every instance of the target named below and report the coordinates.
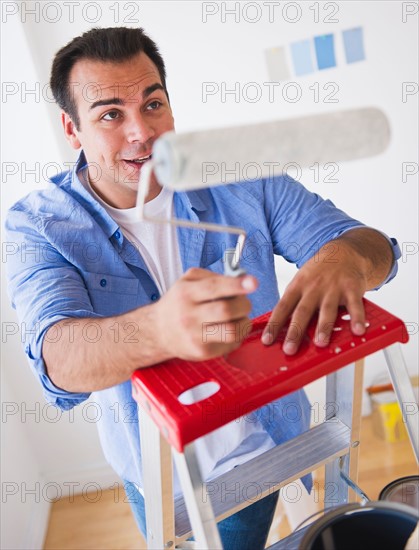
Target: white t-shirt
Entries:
(158, 245)
(156, 242)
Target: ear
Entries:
(70, 131)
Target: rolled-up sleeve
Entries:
(44, 289)
(301, 222)
(397, 254)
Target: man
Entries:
(111, 294)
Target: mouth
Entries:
(137, 162)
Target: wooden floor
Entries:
(108, 523)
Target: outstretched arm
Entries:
(338, 274)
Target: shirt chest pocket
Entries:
(113, 295)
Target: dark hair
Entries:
(115, 44)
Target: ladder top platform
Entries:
(253, 375)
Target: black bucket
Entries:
(376, 525)
(404, 490)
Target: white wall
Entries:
(197, 52)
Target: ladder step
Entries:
(268, 472)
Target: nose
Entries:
(138, 129)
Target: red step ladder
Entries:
(247, 379)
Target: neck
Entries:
(125, 200)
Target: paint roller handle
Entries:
(232, 257)
(231, 266)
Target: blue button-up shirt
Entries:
(71, 260)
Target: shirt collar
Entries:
(191, 199)
(96, 210)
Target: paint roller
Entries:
(189, 161)
(195, 160)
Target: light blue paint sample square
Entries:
(325, 51)
(301, 57)
(353, 40)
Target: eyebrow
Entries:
(118, 101)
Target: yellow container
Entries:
(387, 418)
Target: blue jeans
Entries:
(245, 530)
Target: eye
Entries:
(153, 105)
(111, 115)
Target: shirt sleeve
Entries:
(44, 288)
(301, 222)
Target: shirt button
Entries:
(154, 297)
(117, 234)
(103, 282)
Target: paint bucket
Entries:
(404, 490)
(380, 525)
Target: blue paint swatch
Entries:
(325, 51)
(301, 57)
(353, 41)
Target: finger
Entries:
(356, 310)
(197, 273)
(226, 335)
(326, 322)
(225, 310)
(216, 287)
(298, 325)
(279, 317)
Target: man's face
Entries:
(122, 109)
